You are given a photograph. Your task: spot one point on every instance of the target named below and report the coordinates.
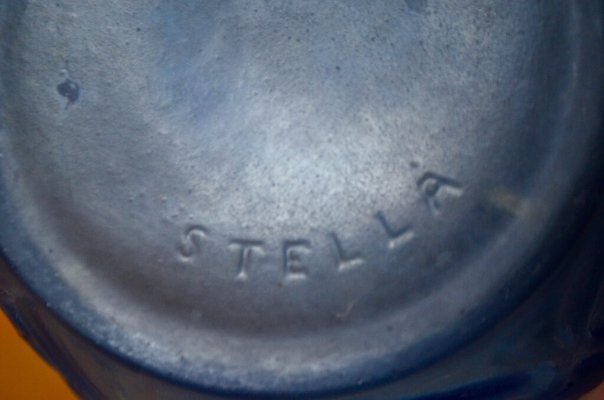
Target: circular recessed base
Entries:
(289, 197)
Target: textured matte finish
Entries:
(303, 197)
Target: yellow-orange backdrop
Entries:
(23, 375)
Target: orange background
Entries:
(23, 375)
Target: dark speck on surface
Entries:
(418, 6)
(70, 90)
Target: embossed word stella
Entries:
(431, 187)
